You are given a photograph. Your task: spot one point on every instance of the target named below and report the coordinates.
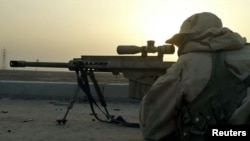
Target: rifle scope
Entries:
(150, 48)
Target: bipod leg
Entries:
(70, 106)
(99, 93)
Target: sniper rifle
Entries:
(141, 71)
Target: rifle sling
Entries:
(83, 83)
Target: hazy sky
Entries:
(59, 30)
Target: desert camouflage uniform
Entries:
(200, 36)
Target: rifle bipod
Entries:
(83, 83)
(70, 106)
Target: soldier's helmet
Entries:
(196, 23)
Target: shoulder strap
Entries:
(224, 88)
(216, 103)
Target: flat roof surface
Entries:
(35, 120)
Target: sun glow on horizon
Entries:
(159, 22)
(35, 29)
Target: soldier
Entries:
(207, 85)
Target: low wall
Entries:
(58, 90)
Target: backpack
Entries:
(215, 104)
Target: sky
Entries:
(60, 30)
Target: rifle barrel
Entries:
(39, 64)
